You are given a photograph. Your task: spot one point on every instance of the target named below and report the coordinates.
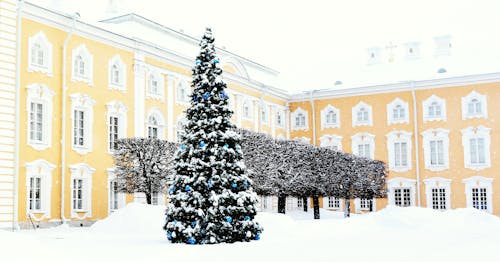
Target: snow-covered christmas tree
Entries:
(211, 200)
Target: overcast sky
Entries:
(315, 42)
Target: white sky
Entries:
(313, 43)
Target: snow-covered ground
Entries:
(392, 234)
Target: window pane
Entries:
(481, 152)
(404, 154)
(473, 150)
(440, 152)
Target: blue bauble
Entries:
(209, 184)
(169, 235)
(216, 61)
(194, 223)
(237, 146)
(257, 236)
(229, 219)
(223, 95)
(198, 62)
(195, 98)
(191, 241)
(188, 189)
(234, 185)
(175, 221)
(247, 218)
(183, 147)
(206, 96)
(202, 144)
(245, 184)
(226, 145)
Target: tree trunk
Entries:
(305, 203)
(316, 206)
(281, 203)
(347, 208)
(148, 197)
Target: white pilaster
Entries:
(171, 81)
(139, 94)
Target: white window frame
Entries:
(332, 141)
(181, 98)
(121, 196)
(40, 94)
(46, 47)
(265, 112)
(465, 105)
(363, 138)
(437, 183)
(247, 103)
(158, 115)
(84, 172)
(390, 112)
(153, 75)
(85, 103)
(358, 201)
(399, 136)
(119, 110)
(434, 135)
(326, 202)
(479, 182)
(121, 85)
(281, 114)
(428, 102)
(476, 132)
(88, 60)
(40, 169)
(356, 109)
(401, 183)
(324, 114)
(293, 116)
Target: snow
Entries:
(134, 233)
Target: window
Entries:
(479, 193)
(113, 132)
(434, 109)
(279, 118)
(400, 154)
(81, 190)
(117, 71)
(264, 113)
(38, 187)
(113, 196)
(476, 143)
(82, 65)
(397, 112)
(330, 117)
(299, 119)
(40, 54)
(438, 193)
(155, 124)
(182, 92)
(362, 115)
(82, 120)
(300, 202)
(363, 144)
(154, 198)
(155, 86)
(332, 141)
(247, 109)
(331, 202)
(152, 127)
(39, 106)
(474, 105)
(364, 204)
(401, 191)
(117, 118)
(436, 144)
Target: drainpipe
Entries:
(415, 131)
(15, 220)
(63, 115)
(313, 117)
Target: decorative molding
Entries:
(437, 182)
(40, 169)
(117, 62)
(399, 136)
(479, 182)
(88, 65)
(436, 101)
(362, 107)
(332, 141)
(300, 119)
(362, 139)
(400, 106)
(119, 110)
(159, 122)
(331, 111)
(182, 93)
(45, 48)
(82, 171)
(155, 78)
(438, 134)
(483, 106)
(85, 103)
(401, 182)
(41, 94)
(480, 132)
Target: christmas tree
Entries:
(211, 200)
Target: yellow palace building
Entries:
(70, 88)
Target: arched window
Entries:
(39, 54)
(300, 120)
(247, 112)
(153, 127)
(79, 66)
(398, 113)
(434, 109)
(181, 124)
(362, 115)
(474, 107)
(331, 117)
(115, 75)
(82, 65)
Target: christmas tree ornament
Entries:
(216, 61)
(202, 144)
(198, 62)
(226, 146)
(191, 241)
(183, 147)
(247, 218)
(229, 219)
(188, 189)
(206, 96)
(234, 185)
(257, 236)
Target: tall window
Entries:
(115, 75)
(78, 194)
(477, 154)
(300, 202)
(79, 67)
(264, 113)
(36, 122)
(439, 198)
(434, 110)
(113, 132)
(246, 109)
(364, 150)
(78, 128)
(154, 198)
(476, 143)
(398, 113)
(152, 127)
(400, 154)
(402, 197)
(474, 105)
(437, 152)
(279, 118)
(113, 196)
(363, 145)
(300, 120)
(37, 55)
(35, 193)
(153, 85)
(362, 115)
(479, 198)
(331, 117)
(436, 144)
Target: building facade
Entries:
(69, 89)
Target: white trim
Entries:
(155, 76)
(281, 113)
(248, 102)
(437, 182)
(357, 205)
(399, 136)
(390, 114)
(266, 112)
(39, 93)
(293, 117)
(331, 141)
(356, 109)
(82, 171)
(465, 105)
(121, 195)
(476, 132)
(324, 113)
(400, 183)
(363, 138)
(42, 40)
(479, 182)
(88, 60)
(42, 169)
(326, 203)
(435, 135)
(158, 115)
(122, 71)
(119, 110)
(140, 95)
(85, 103)
(441, 102)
